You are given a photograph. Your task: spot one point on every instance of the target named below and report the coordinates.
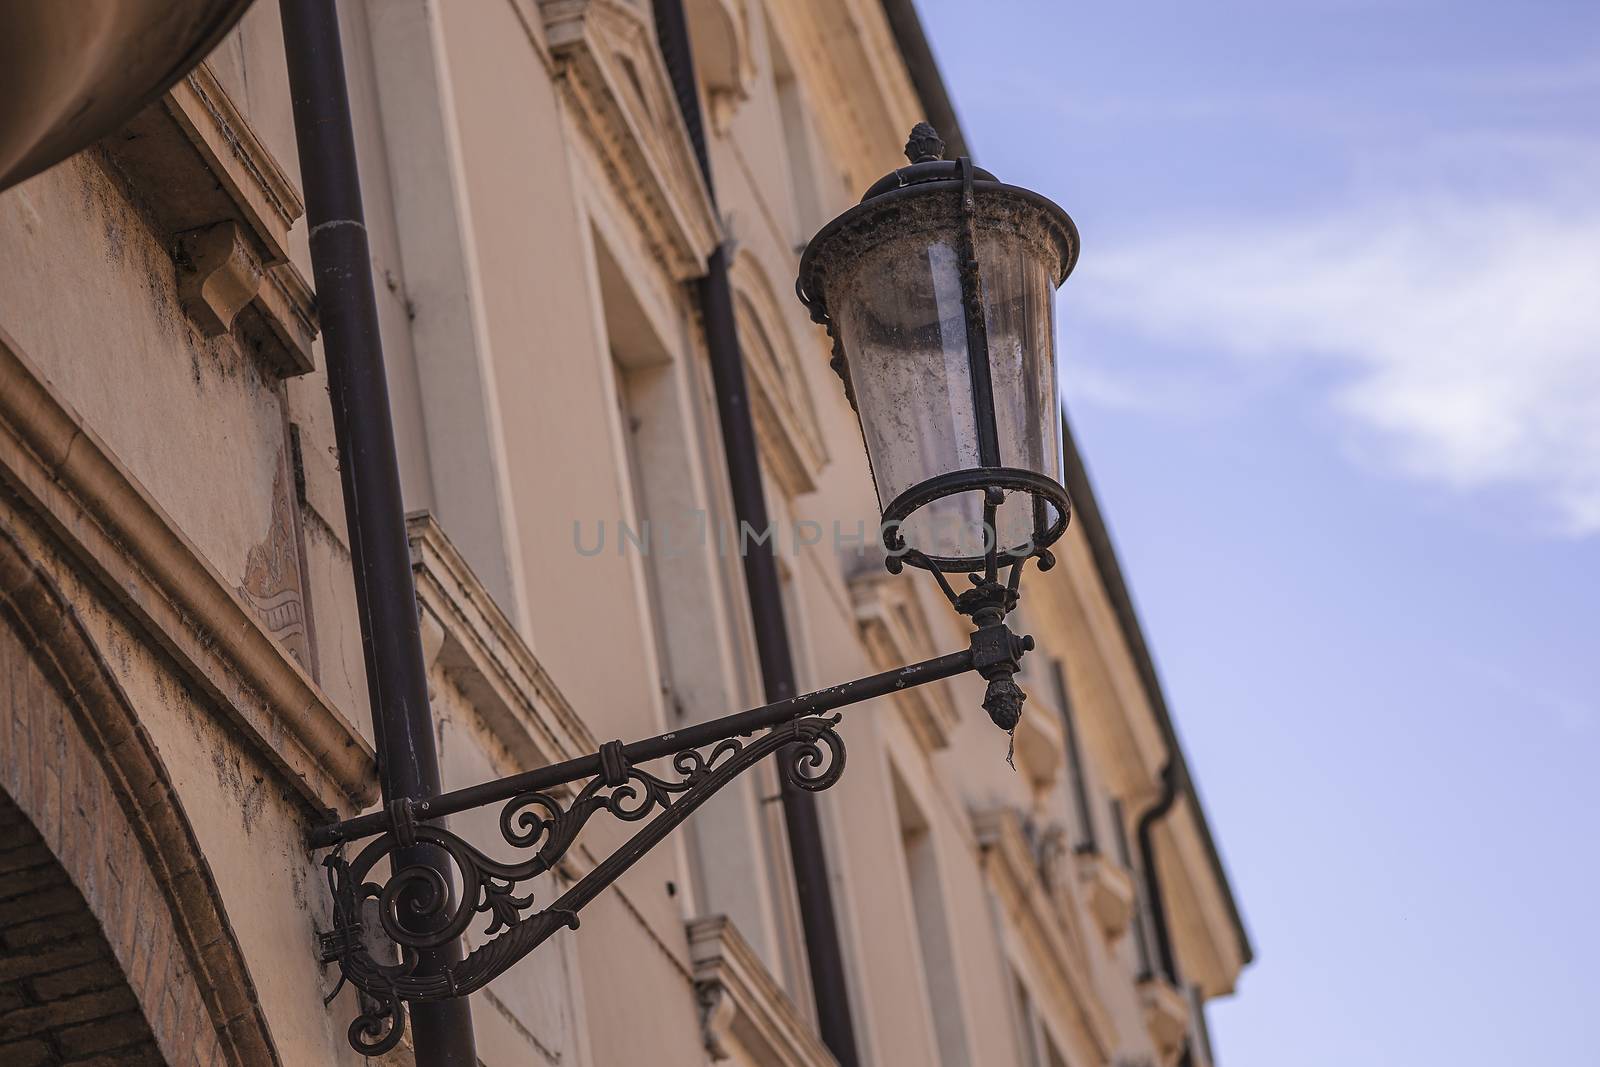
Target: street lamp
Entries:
(937, 290)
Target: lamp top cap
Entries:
(923, 195)
(925, 149)
(924, 145)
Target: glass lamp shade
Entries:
(952, 371)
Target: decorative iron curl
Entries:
(418, 911)
(816, 763)
(379, 1027)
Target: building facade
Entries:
(180, 646)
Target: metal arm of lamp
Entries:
(413, 909)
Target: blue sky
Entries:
(1333, 354)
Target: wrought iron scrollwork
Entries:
(417, 909)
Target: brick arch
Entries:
(75, 760)
(64, 998)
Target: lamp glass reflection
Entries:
(904, 333)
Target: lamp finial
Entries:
(925, 144)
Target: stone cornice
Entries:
(200, 170)
(1053, 947)
(248, 172)
(740, 1002)
(895, 629)
(1040, 748)
(481, 653)
(1108, 892)
(612, 74)
(1166, 1017)
(862, 129)
(723, 54)
(151, 572)
(1197, 914)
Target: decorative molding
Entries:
(612, 75)
(1166, 1017)
(286, 306)
(1040, 747)
(787, 427)
(1054, 950)
(217, 276)
(723, 58)
(742, 1007)
(82, 767)
(1202, 932)
(274, 578)
(481, 652)
(1108, 892)
(198, 168)
(896, 631)
(248, 173)
(105, 519)
(827, 41)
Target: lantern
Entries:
(938, 291)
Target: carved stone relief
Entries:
(274, 579)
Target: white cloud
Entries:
(1465, 334)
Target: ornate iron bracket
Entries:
(416, 911)
(383, 927)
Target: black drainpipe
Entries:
(812, 888)
(408, 762)
(1165, 962)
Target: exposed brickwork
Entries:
(63, 996)
(97, 808)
